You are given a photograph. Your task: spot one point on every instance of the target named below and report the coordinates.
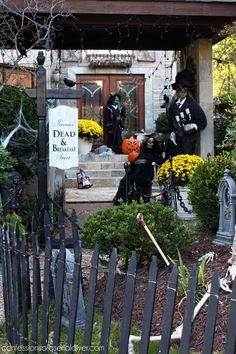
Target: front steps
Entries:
(103, 170)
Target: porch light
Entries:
(165, 94)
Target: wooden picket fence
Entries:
(24, 293)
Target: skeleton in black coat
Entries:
(137, 183)
(185, 117)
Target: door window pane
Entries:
(92, 107)
(129, 94)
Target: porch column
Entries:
(203, 55)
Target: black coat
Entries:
(114, 123)
(137, 182)
(189, 113)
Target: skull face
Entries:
(181, 91)
(150, 143)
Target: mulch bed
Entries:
(201, 247)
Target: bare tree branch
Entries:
(36, 22)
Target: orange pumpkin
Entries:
(129, 145)
(132, 155)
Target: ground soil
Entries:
(190, 256)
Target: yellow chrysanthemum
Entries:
(183, 166)
(89, 129)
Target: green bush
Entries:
(23, 144)
(203, 193)
(7, 164)
(225, 124)
(161, 123)
(119, 228)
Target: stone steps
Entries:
(104, 171)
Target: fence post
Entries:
(149, 305)
(46, 281)
(169, 310)
(36, 296)
(188, 311)
(128, 304)
(16, 282)
(5, 281)
(76, 284)
(106, 323)
(59, 284)
(211, 314)
(25, 293)
(231, 333)
(91, 300)
(10, 284)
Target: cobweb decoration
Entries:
(19, 140)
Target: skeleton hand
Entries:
(173, 138)
(209, 257)
(189, 127)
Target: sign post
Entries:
(42, 94)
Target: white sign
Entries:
(63, 137)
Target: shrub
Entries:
(228, 160)
(225, 126)
(14, 102)
(161, 123)
(203, 193)
(7, 164)
(119, 228)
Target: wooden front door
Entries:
(97, 90)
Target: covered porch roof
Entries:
(141, 25)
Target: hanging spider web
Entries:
(19, 134)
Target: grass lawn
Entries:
(113, 341)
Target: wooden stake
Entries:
(141, 221)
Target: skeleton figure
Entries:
(230, 275)
(137, 182)
(185, 117)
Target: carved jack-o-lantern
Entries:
(129, 145)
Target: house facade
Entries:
(140, 77)
(189, 27)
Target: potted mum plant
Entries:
(175, 177)
(88, 131)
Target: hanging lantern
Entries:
(165, 94)
(130, 144)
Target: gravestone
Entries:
(227, 199)
(67, 291)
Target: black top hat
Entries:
(184, 78)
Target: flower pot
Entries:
(85, 146)
(184, 214)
